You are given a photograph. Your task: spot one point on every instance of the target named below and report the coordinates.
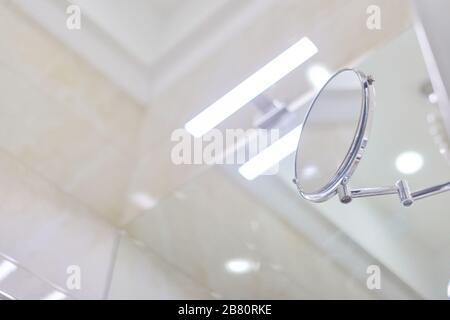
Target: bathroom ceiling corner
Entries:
(148, 46)
(145, 46)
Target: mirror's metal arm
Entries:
(431, 191)
(401, 188)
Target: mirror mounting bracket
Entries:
(401, 188)
(431, 191)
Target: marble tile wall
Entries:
(46, 230)
(141, 274)
(63, 118)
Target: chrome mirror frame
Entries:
(339, 183)
(357, 147)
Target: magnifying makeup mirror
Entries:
(333, 138)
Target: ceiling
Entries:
(148, 29)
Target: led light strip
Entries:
(271, 156)
(251, 87)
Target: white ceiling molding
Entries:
(120, 65)
(208, 38)
(93, 44)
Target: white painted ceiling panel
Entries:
(149, 28)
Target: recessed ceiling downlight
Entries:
(409, 162)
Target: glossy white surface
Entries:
(47, 230)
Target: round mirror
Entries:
(333, 135)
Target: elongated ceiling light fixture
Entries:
(272, 155)
(251, 87)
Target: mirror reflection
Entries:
(328, 131)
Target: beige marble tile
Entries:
(201, 229)
(140, 274)
(47, 231)
(63, 118)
